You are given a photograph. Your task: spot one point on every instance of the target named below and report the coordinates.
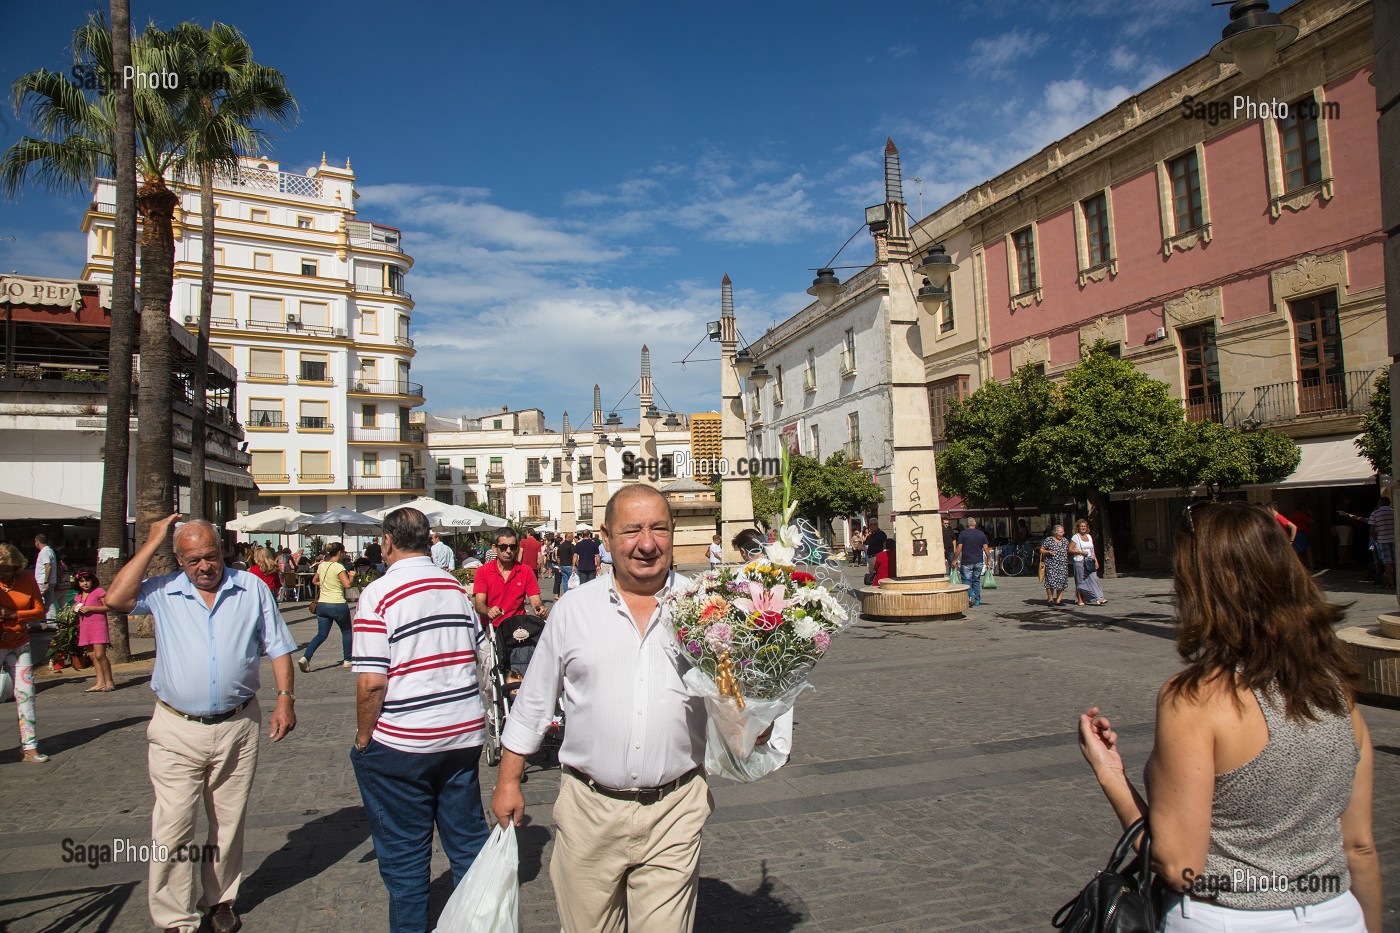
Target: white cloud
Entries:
(55, 254)
(993, 55)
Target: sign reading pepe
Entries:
(20, 291)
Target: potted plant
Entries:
(63, 645)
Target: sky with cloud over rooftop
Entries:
(574, 181)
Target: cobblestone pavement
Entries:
(935, 785)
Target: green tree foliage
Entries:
(991, 455)
(1374, 442)
(824, 491)
(1221, 457)
(767, 501)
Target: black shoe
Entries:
(223, 919)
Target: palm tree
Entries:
(232, 91)
(111, 535)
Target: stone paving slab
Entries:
(935, 786)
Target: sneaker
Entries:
(305, 665)
(346, 664)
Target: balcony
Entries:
(280, 378)
(293, 327)
(848, 364)
(852, 451)
(755, 415)
(317, 479)
(271, 479)
(386, 387)
(315, 377)
(469, 477)
(1345, 394)
(404, 342)
(809, 382)
(378, 289)
(1221, 408)
(315, 425)
(373, 435)
(407, 482)
(373, 236)
(266, 421)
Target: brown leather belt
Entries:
(643, 795)
(208, 720)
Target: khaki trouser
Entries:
(620, 865)
(190, 763)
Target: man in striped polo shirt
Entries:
(420, 719)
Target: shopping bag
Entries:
(989, 579)
(488, 898)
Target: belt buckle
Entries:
(654, 793)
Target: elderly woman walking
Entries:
(1087, 591)
(1054, 554)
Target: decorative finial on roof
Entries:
(894, 187)
(726, 301)
(726, 280)
(890, 146)
(347, 163)
(323, 157)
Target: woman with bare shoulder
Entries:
(1258, 789)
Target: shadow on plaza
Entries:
(82, 909)
(722, 907)
(77, 738)
(1043, 618)
(309, 850)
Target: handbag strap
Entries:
(1141, 869)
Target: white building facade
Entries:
(310, 308)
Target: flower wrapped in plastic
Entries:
(750, 636)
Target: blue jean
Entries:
(405, 793)
(326, 615)
(565, 575)
(583, 576)
(972, 576)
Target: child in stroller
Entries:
(510, 651)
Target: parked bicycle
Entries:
(1016, 561)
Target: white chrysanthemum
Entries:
(806, 628)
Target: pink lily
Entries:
(767, 605)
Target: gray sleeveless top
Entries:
(1275, 822)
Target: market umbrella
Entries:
(14, 507)
(583, 526)
(338, 521)
(278, 520)
(547, 526)
(445, 517)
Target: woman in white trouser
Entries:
(1260, 779)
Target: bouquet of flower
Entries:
(750, 637)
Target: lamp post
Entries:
(649, 417)
(567, 518)
(600, 461)
(736, 497)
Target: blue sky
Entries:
(573, 180)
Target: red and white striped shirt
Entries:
(416, 625)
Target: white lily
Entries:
(784, 550)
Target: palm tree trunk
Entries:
(155, 487)
(111, 536)
(200, 383)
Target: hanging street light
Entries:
(1253, 38)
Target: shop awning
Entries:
(1328, 461)
(216, 472)
(14, 507)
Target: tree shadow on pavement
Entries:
(309, 850)
(90, 910)
(77, 738)
(724, 908)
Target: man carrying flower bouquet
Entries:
(627, 843)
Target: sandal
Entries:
(95, 690)
(34, 757)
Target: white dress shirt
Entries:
(442, 555)
(628, 719)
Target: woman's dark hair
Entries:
(1248, 610)
(88, 575)
(749, 541)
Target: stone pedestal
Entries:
(912, 600)
(1376, 650)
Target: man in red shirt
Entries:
(530, 554)
(501, 587)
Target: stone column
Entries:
(567, 521)
(736, 505)
(600, 461)
(647, 429)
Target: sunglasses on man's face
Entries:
(505, 547)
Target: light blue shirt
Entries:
(207, 659)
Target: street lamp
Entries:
(1253, 38)
(758, 376)
(743, 362)
(825, 287)
(613, 421)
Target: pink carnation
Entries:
(719, 636)
(822, 640)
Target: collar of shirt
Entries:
(408, 563)
(615, 598)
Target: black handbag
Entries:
(1118, 899)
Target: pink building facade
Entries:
(1239, 260)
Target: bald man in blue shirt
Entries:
(211, 624)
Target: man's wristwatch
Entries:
(287, 693)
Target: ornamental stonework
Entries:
(1310, 274)
(1195, 306)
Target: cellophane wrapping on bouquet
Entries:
(750, 637)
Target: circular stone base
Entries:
(1390, 626)
(1377, 656)
(912, 600)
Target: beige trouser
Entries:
(620, 865)
(190, 762)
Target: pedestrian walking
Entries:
(972, 551)
(1262, 765)
(530, 551)
(715, 552)
(92, 629)
(442, 553)
(210, 623)
(566, 564)
(46, 575)
(500, 590)
(419, 720)
(875, 540)
(1054, 553)
(633, 797)
(20, 605)
(1085, 561)
(585, 558)
(331, 582)
(1382, 526)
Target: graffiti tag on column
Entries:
(916, 500)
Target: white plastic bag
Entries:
(488, 898)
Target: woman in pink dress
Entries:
(92, 629)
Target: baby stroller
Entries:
(500, 677)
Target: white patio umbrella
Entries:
(547, 526)
(445, 517)
(583, 526)
(278, 520)
(338, 522)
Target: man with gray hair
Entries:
(419, 720)
(972, 551)
(441, 552)
(210, 623)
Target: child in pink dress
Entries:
(92, 629)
